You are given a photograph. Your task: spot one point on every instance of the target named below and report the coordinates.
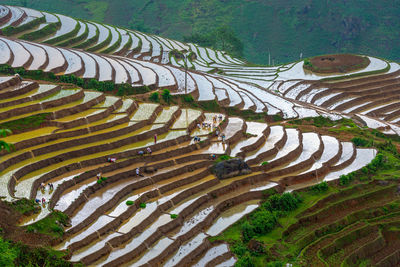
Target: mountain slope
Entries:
(284, 28)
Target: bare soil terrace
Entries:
(341, 63)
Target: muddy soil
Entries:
(340, 63)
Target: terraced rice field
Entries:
(86, 128)
(363, 232)
(144, 59)
(176, 204)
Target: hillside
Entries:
(283, 28)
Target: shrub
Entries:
(142, 205)
(264, 163)
(245, 261)
(277, 118)
(20, 71)
(263, 222)
(307, 62)
(239, 249)
(222, 158)
(129, 202)
(321, 121)
(102, 179)
(166, 95)
(154, 97)
(377, 133)
(6, 69)
(188, 98)
(247, 231)
(321, 187)
(174, 216)
(284, 202)
(344, 179)
(390, 147)
(357, 141)
(8, 253)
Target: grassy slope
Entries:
(285, 28)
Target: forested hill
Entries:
(285, 29)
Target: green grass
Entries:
(18, 254)
(25, 206)
(52, 225)
(222, 158)
(26, 123)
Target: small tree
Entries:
(247, 231)
(166, 95)
(154, 97)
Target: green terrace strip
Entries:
(114, 46)
(127, 45)
(52, 225)
(102, 44)
(65, 36)
(89, 41)
(12, 30)
(49, 29)
(27, 123)
(25, 206)
(74, 40)
(107, 86)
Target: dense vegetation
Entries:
(17, 254)
(285, 29)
